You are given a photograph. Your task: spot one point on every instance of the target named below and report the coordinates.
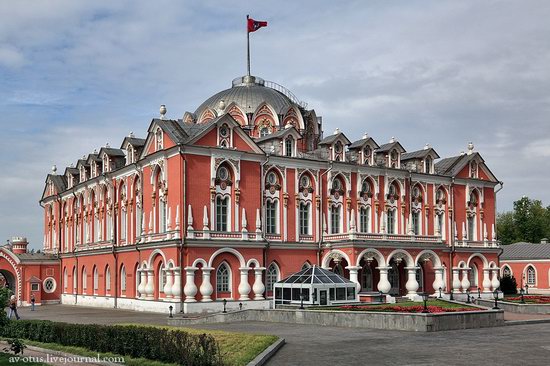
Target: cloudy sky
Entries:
(75, 75)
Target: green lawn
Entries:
(236, 348)
(5, 360)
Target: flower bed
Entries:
(530, 299)
(405, 309)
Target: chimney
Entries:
(544, 241)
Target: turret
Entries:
(19, 245)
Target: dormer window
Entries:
(394, 159)
(264, 131)
(473, 169)
(106, 166)
(82, 174)
(428, 165)
(367, 152)
(289, 146)
(129, 155)
(94, 169)
(224, 136)
(158, 140)
(338, 151)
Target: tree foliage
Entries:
(528, 222)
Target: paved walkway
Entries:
(316, 345)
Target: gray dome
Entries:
(248, 92)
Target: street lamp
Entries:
(526, 289)
(224, 303)
(425, 298)
(440, 292)
(495, 295)
(302, 297)
(170, 308)
(240, 306)
(521, 293)
(468, 296)
(479, 292)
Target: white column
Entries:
(244, 286)
(142, 283)
(258, 286)
(438, 282)
(168, 285)
(206, 287)
(412, 284)
(150, 287)
(495, 283)
(176, 286)
(384, 285)
(354, 276)
(487, 283)
(190, 289)
(456, 280)
(465, 283)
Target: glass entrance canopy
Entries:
(315, 286)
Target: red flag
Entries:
(254, 25)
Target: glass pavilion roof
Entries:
(315, 275)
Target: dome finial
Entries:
(427, 146)
(221, 105)
(54, 169)
(162, 111)
(336, 131)
(366, 135)
(392, 140)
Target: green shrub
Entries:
(508, 285)
(165, 345)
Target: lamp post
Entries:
(425, 299)
(170, 308)
(224, 303)
(440, 292)
(526, 289)
(240, 306)
(468, 296)
(521, 293)
(495, 294)
(479, 292)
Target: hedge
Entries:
(165, 345)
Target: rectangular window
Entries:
(221, 213)
(471, 228)
(271, 217)
(364, 219)
(335, 219)
(288, 146)
(304, 219)
(35, 287)
(391, 222)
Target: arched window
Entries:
(473, 276)
(75, 284)
(366, 278)
(222, 204)
(506, 272)
(428, 165)
(289, 146)
(366, 155)
(271, 216)
(123, 214)
(338, 269)
(440, 223)
(272, 276)
(84, 280)
(65, 280)
(391, 222)
(531, 276)
(96, 280)
(123, 278)
(364, 219)
(471, 228)
(304, 213)
(264, 131)
(223, 278)
(335, 219)
(137, 211)
(158, 139)
(107, 279)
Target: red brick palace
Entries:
(247, 190)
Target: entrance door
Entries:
(323, 297)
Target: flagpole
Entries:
(247, 47)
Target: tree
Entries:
(529, 222)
